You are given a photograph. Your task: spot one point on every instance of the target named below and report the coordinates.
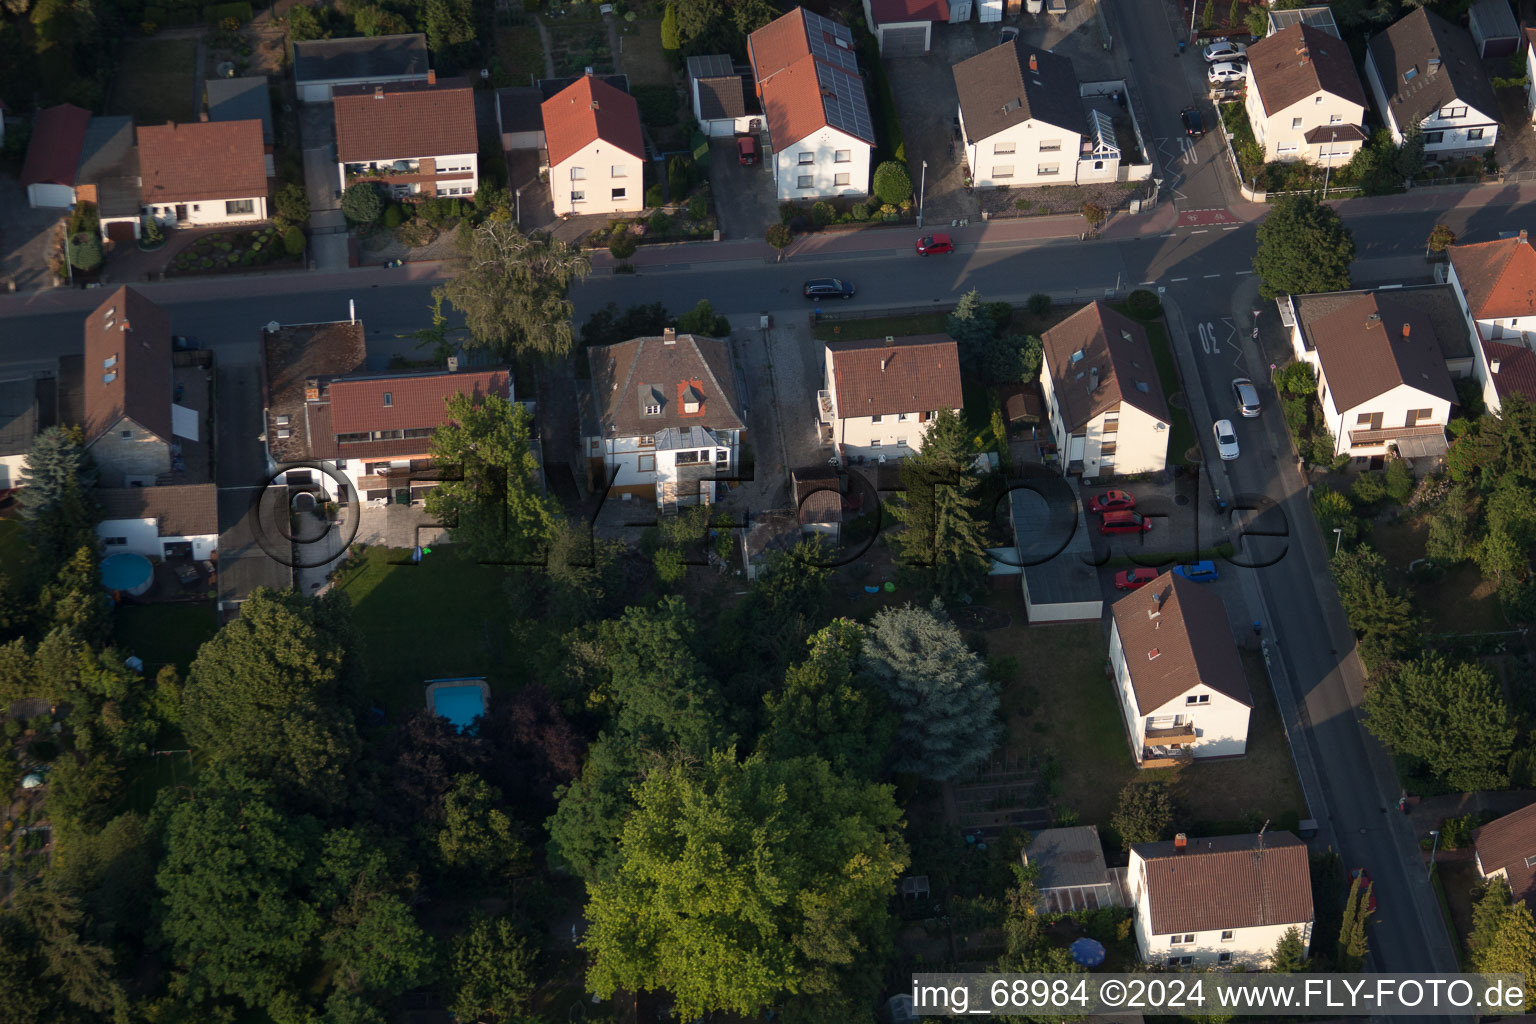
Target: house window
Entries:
(1473, 134)
(1410, 74)
(618, 171)
(1433, 138)
(578, 174)
(901, 442)
(722, 457)
(647, 464)
(805, 181)
(114, 540)
(1228, 935)
(875, 443)
(418, 433)
(1182, 940)
(1197, 698)
(235, 207)
(1098, 165)
(1316, 100)
(902, 417)
(1223, 958)
(648, 440)
(578, 197)
(842, 156)
(807, 158)
(352, 438)
(1450, 113)
(1283, 150)
(840, 179)
(1002, 171)
(389, 400)
(1051, 146)
(1295, 123)
(126, 435)
(877, 417)
(1530, 862)
(619, 193)
(1046, 169)
(1335, 118)
(653, 410)
(1415, 416)
(1003, 148)
(1369, 420)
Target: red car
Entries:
(1124, 522)
(1134, 579)
(1365, 884)
(746, 150)
(930, 244)
(1112, 501)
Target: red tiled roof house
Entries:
(879, 396)
(1506, 848)
(1495, 286)
(663, 419)
(414, 138)
(207, 172)
(1304, 100)
(1222, 901)
(596, 150)
(807, 77)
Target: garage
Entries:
(319, 65)
(904, 40)
(121, 231)
(51, 168)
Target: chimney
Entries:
(594, 104)
(378, 92)
(1034, 64)
(1179, 842)
(884, 363)
(1406, 329)
(669, 336)
(453, 364)
(1493, 366)
(431, 76)
(1522, 235)
(890, 341)
(588, 72)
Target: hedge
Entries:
(215, 13)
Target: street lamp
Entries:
(1333, 137)
(1338, 537)
(1435, 846)
(518, 215)
(921, 190)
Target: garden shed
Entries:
(1494, 29)
(1059, 582)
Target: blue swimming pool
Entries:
(461, 705)
(126, 572)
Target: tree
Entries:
(437, 337)
(622, 244)
(942, 533)
(478, 838)
(584, 831)
(40, 933)
(292, 203)
(1384, 619)
(1451, 716)
(827, 709)
(1144, 813)
(361, 203)
(293, 241)
(448, 24)
(779, 236)
(274, 690)
(1353, 943)
(1302, 247)
(496, 506)
(1511, 949)
(491, 972)
(1290, 955)
(1440, 237)
(371, 937)
(669, 36)
(892, 183)
(85, 252)
(734, 889)
(56, 479)
(512, 289)
(608, 326)
(531, 748)
(374, 20)
(656, 687)
(1409, 158)
(701, 319)
(1208, 14)
(939, 687)
(1488, 914)
(1094, 215)
(1335, 511)
(971, 327)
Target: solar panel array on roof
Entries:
(842, 96)
(830, 42)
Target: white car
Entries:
(1221, 74)
(1247, 397)
(1226, 440)
(1225, 49)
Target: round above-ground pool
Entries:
(131, 574)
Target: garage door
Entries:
(903, 42)
(120, 231)
(310, 93)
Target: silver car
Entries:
(1247, 397)
(1226, 440)
(1225, 49)
(1225, 72)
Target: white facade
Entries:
(10, 470)
(1214, 724)
(892, 435)
(142, 537)
(1283, 133)
(826, 163)
(1453, 129)
(1245, 947)
(598, 178)
(402, 176)
(635, 466)
(1029, 153)
(1124, 440)
(1518, 330)
(205, 212)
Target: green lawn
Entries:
(880, 327)
(1182, 432)
(645, 62)
(1460, 601)
(443, 618)
(522, 54)
(164, 634)
(154, 81)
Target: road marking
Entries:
(1234, 227)
(1148, 282)
(1209, 276)
(1202, 231)
(1178, 279)
(1240, 273)
(1168, 235)
(1205, 339)
(1215, 348)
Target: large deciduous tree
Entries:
(1144, 813)
(939, 687)
(656, 687)
(1450, 716)
(274, 689)
(1302, 247)
(749, 885)
(491, 972)
(584, 830)
(826, 708)
(512, 289)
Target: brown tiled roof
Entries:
(1497, 278)
(1517, 369)
(720, 98)
(587, 110)
(1364, 353)
(1334, 133)
(1118, 348)
(212, 160)
(998, 90)
(888, 11)
(53, 155)
(184, 510)
(914, 374)
(289, 357)
(404, 120)
(1190, 636)
(1297, 62)
(646, 371)
(140, 372)
(416, 401)
(1412, 42)
(818, 495)
(1507, 843)
(1224, 882)
(807, 76)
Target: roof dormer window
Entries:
(1410, 74)
(653, 410)
(389, 400)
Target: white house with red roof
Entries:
(413, 138)
(596, 149)
(1495, 285)
(879, 397)
(807, 76)
(904, 28)
(207, 172)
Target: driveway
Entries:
(745, 201)
(26, 235)
(327, 226)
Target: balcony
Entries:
(1385, 434)
(1173, 736)
(1166, 758)
(824, 406)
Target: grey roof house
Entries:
(320, 65)
(1425, 71)
(723, 100)
(242, 99)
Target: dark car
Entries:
(1365, 884)
(1134, 579)
(828, 288)
(1198, 572)
(746, 150)
(1124, 522)
(931, 244)
(182, 343)
(1192, 123)
(1111, 501)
